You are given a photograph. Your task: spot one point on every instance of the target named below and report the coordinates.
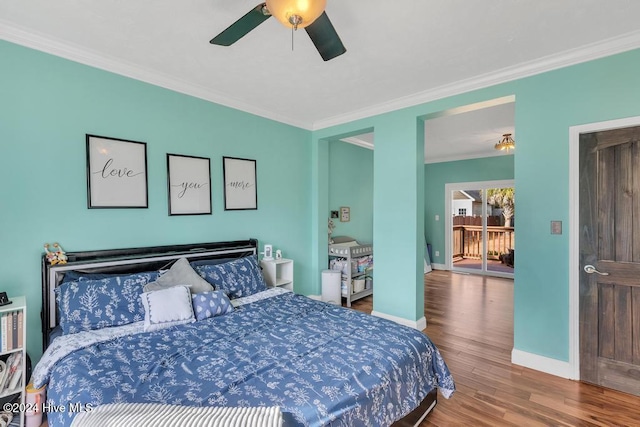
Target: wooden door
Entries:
(610, 242)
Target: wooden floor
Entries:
(470, 319)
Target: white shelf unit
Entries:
(278, 272)
(13, 343)
(351, 254)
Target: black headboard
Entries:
(129, 260)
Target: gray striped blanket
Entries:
(160, 415)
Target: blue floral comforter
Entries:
(322, 364)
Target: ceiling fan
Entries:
(294, 14)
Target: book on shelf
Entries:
(20, 328)
(8, 330)
(14, 329)
(3, 328)
(11, 331)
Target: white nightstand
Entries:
(278, 272)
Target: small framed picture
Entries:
(189, 183)
(116, 173)
(345, 214)
(268, 252)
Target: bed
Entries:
(257, 347)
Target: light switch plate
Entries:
(556, 227)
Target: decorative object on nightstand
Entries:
(268, 253)
(278, 272)
(4, 299)
(278, 254)
(13, 355)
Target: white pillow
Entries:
(167, 307)
(180, 273)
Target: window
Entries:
(462, 211)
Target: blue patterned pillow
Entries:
(94, 304)
(238, 278)
(211, 304)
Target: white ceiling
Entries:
(398, 53)
(470, 132)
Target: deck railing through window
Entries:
(467, 241)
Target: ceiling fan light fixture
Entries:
(506, 143)
(296, 13)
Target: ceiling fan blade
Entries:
(242, 26)
(325, 37)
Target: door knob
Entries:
(590, 269)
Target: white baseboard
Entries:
(555, 367)
(419, 324)
(438, 266)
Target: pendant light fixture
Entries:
(296, 13)
(506, 143)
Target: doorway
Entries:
(480, 224)
(609, 257)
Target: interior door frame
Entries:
(449, 188)
(574, 230)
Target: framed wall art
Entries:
(240, 192)
(345, 214)
(189, 185)
(116, 173)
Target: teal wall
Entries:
(351, 184)
(48, 104)
(398, 220)
(436, 175)
(398, 206)
(547, 105)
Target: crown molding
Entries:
(359, 142)
(34, 40)
(37, 41)
(612, 46)
(466, 156)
